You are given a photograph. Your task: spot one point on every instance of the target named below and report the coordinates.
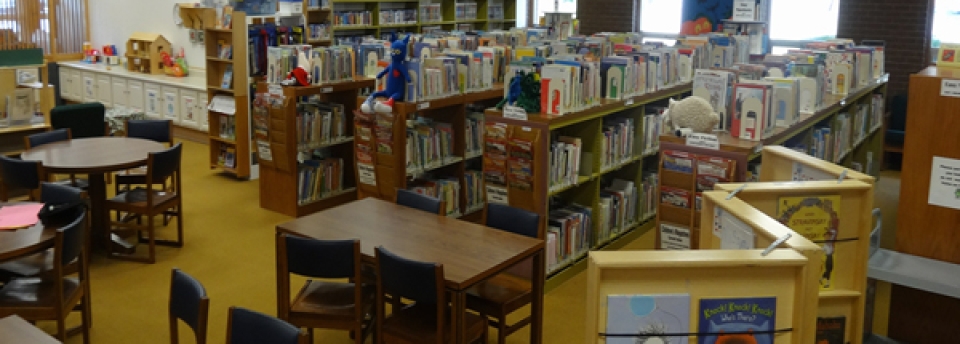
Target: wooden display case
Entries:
(702, 274)
(144, 52)
(219, 64)
(783, 164)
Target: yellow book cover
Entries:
(947, 55)
(817, 219)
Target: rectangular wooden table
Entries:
(470, 253)
(14, 329)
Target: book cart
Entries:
(281, 184)
(845, 295)
(234, 137)
(586, 125)
(864, 150)
(702, 274)
(382, 156)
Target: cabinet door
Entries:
(119, 93)
(171, 104)
(135, 95)
(202, 111)
(153, 101)
(77, 84)
(66, 84)
(188, 109)
(89, 87)
(104, 90)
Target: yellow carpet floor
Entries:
(230, 249)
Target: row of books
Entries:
(352, 18)
(319, 178)
(429, 145)
(321, 31)
(651, 182)
(474, 134)
(228, 127)
(495, 11)
(652, 129)
(263, 36)
(327, 64)
(569, 235)
(398, 16)
(619, 136)
(465, 10)
(566, 162)
(431, 13)
(446, 189)
(473, 188)
(227, 157)
(320, 123)
(617, 209)
(318, 3)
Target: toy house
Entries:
(144, 52)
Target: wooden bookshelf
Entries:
(216, 67)
(391, 170)
(447, 22)
(280, 176)
(318, 15)
(587, 125)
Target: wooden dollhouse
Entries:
(144, 52)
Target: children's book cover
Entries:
(831, 330)
(749, 112)
(653, 318)
(817, 219)
(749, 320)
(702, 16)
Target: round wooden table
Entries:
(95, 157)
(25, 241)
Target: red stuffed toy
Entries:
(299, 76)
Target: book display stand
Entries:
(228, 126)
(284, 184)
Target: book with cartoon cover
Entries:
(817, 219)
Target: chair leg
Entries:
(62, 329)
(153, 243)
(87, 315)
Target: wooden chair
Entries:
(248, 327)
(188, 303)
(322, 304)
(19, 175)
(54, 297)
(427, 319)
(154, 130)
(162, 167)
(414, 200)
(52, 136)
(505, 293)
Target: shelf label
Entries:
(497, 194)
(366, 174)
(327, 90)
(674, 237)
(629, 102)
(514, 112)
(708, 141)
(423, 105)
(950, 88)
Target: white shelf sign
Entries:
(497, 194)
(945, 183)
(708, 141)
(950, 88)
(674, 237)
(802, 173)
(514, 112)
(366, 174)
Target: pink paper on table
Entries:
(19, 216)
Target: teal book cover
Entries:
(648, 319)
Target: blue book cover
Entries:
(737, 320)
(653, 318)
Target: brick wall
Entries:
(605, 15)
(904, 25)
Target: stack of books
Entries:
(569, 235)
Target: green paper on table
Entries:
(19, 216)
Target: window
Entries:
(565, 6)
(660, 16)
(808, 20)
(946, 23)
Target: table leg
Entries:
(536, 304)
(100, 216)
(459, 311)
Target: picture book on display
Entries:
(715, 86)
(831, 330)
(752, 115)
(817, 219)
(653, 318)
(737, 320)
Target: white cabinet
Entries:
(89, 87)
(153, 101)
(188, 109)
(77, 77)
(66, 84)
(202, 111)
(104, 90)
(135, 95)
(119, 92)
(171, 104)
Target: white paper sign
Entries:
(497, 194)
(950, 88)
(514, 112)
(275, 90)
(629, 102)
(366, 174)
(263, 148)
(327, 90)
(674, 237)
(733, 233)
(804, 173)
(744, 10)
(708, 141)
(945, 183)
(423, 105)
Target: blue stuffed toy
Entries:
(397, 78)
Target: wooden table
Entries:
(470, 253)
(25, 241)
(95, 157)
(15, 330)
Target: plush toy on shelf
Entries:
(514, 91)
(397, 78)
(175, 66)
(691, 114)
(299, 76)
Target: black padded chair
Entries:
(83, 120)
(52, 136)
(39, 263)
(188, 303)
(248, 327)
(19, 175)
(505, 293)
(53, 193)
(428, 318)
(414, 200)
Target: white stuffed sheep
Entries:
(692, 113)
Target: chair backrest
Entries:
(189, 303)
(898, 112)
(160, 130)
(414, 200)
(322, 258)
(19, 174)
(48, 137)
(418, 281)
(72, 239)
(52, 193)
(513, 220)
(248, 327)
(161, 165)
(83, 120)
